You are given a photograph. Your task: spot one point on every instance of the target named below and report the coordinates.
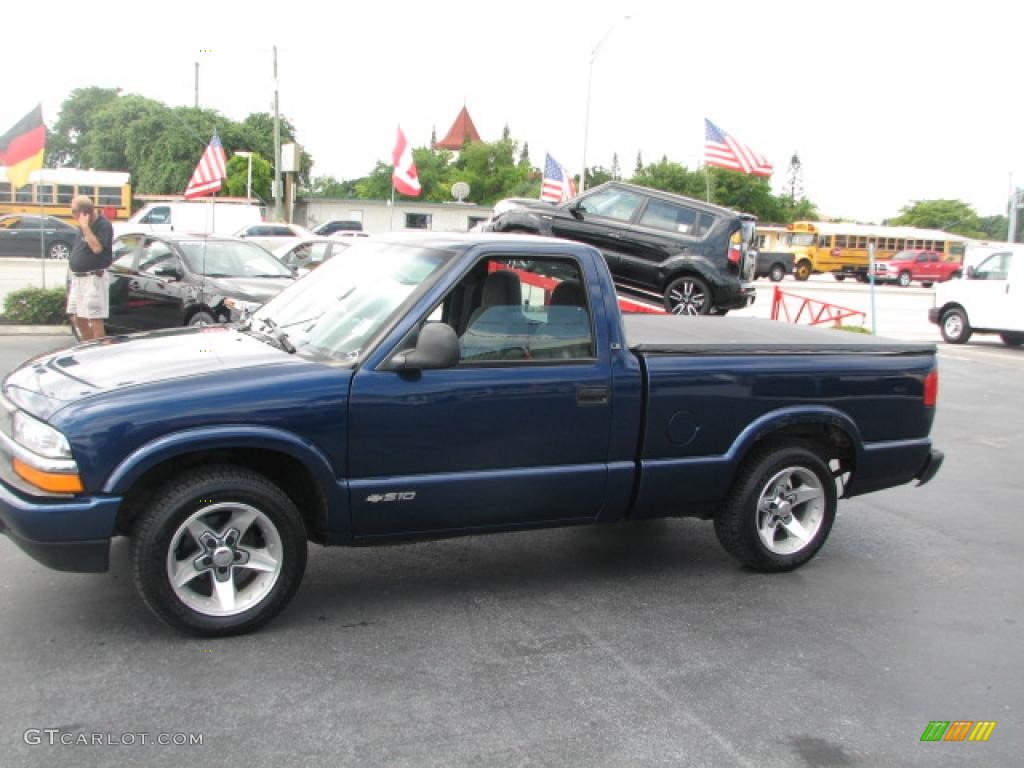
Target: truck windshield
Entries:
(335, 310)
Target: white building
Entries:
(378, 216)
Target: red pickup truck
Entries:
(927, 267)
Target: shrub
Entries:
(36, 306)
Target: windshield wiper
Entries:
(281, 336)
(275, 335)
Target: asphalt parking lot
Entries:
(626, 645)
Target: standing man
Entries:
(92, 253)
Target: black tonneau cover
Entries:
(677, 335)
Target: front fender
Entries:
(147, 456)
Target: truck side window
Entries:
(159, 215)
(995, 267)
(522, 310)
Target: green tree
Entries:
(75, 122)
(238, 177)
(597, 174)
(616, 171)
(948, 215)
(328, 186)
(670, 177)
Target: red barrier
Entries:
(817, 312)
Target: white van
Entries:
(988, 299)
(201, 217)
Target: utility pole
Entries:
(277, 148)
(197, 85)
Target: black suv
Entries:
(698, 258)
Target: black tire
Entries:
(58, 250)
(927, 285)
(904, 279)
(1012, 339)
(688, 295)
(200, 319)
(160, 535)
(864, 278)
(740, 522)
(839, 278)
(954, 326)
(956, 276)
(802, 271)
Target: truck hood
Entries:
(43, 385)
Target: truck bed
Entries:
(674, 335)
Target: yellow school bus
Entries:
(50, 190)
(842, 248)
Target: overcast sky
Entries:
(885, 103)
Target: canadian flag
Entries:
(404, 176)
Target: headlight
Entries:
(40, 438)
(239, 307)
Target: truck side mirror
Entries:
(437, 347)
(576, 209)
(970, 273)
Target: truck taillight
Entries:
(931, 388)
(734, 254)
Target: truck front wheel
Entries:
(781, 509)
(776, 273)
(954, 326)
(802, 271)
(220, 551)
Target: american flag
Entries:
(557, 185)
(723, 151)
(212, 169)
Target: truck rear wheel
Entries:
(688, 295)
(220, 551)
(776, 273)
(781, 509)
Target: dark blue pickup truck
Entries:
(439, 385)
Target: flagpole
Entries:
(392, 205)
(42, 227)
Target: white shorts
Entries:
(89, 296)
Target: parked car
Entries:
(697, 258)
(774, 265)
(308, 254)
(990, 299)
(273, 235)
(338, 225)
(414, 388)
(925, 267)
(172, 280)
(197, 217)
(20, 236)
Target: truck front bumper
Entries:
(72, 535)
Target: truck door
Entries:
(987, 294)
(515, 434)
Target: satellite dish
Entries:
(460, 190)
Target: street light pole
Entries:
(590, 80)
(248, 178)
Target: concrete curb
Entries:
(35, 330)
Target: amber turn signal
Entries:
(48, 481)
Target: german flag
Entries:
(21, 148)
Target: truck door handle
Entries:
(591, 395)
